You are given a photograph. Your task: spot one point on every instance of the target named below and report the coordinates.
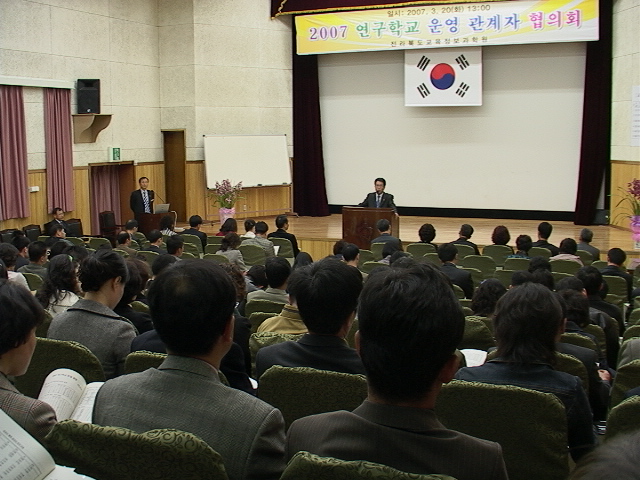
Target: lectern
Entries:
(359, 224)
(148, 221)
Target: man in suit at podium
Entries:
(379, 199)
(141, 200)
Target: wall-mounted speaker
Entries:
(88, 95)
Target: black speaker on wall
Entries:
(88, 91)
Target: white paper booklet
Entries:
(474, 357)
(23, 458)
(69, 395)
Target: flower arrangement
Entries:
(225, 195)
(631, 196)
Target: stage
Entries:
(316, 235)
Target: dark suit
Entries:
(459, 277)
(280, 233)
(544, 244)
(186, 393)
(201, 235)
(48, 225)
(616, 271)
(137, 203)
(598, 390)
(324, 352)
(385, 202)
(464, 241)
(409, 439)
(154, 248)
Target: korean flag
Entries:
(443, 77)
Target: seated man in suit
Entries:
(410, 325)
(586, 236)
(277, 270)
(448, 255)
(544, 232)
(58, 219)
(37, 259)
(384, 226)
(465, 233)
(379, 199)
(123, 242)
(185, 392)
(195, 224)
(326, 293)
(260, 239)
(155, 241)
(175, 246)
(615, 267)
(282, 223)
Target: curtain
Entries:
(105, 194)
(309, 190)
(14, 198)
(595, 151)
(57, 132)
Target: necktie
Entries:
(145, 199)
(377, 201)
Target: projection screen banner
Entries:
(458, 25)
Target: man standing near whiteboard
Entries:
(379, 199)
(141, 200)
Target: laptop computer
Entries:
(161, 208)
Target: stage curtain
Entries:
(105, 194)
(14, 199)
(59, 153)
(595, 151)
(309, 190)
(289, 7)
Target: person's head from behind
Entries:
(427, 233)
(383, 225)
(195, 221)
(277, 270)
(544, 230)
(62, 276)
(154, 237)
(486, 296)
(577, 307)
(338, 247)
(236, 276)
(9, 255)
(568, 245)
(543, 277)
(500, 235)
(302, 260)
(524, 243)
(397, 256)
(586, 235)
(410, 325)
(261, 228)
(539, 263)
(137, 281)
(167, 223)
(21, 242)
(131, 226)
(257, 276)
(229, 225)
(37, 252)
(520, 277)
(447, 252)
(350, 252)
(616, 256)
(591, 278)
(379, 184)
(389, 248)
(249, 225)
(175, 245)
(282, 221)
(20, 314)
(210, 295)
(57, 248)
(79, 252)
(466, 230)
(326, 293)
(230, 241)
(527, 323)
(162, 262)
(57, 231)
(103, 276)
(570, 283)
(123, 239)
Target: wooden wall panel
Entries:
(37, 203)
(82, 198)
(621, 174)
(196, 189)
(317, 248)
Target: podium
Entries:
(359, 224)
(150, 221)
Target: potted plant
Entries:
(225, 196)
(631, 200)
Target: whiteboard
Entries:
(254, 160)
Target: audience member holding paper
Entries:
(20, 314)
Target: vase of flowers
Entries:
(225, 196)
(631, 199)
